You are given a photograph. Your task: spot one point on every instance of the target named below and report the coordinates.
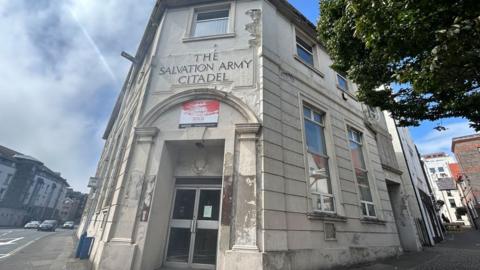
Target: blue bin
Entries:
(85, 248)
(79, 245)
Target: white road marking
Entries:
(3, 256)
(3, 234)
(11, 241)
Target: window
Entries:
(449, 193)
(361, 174)
(320, 185)
(305, 51)
(459, 217)
(342, 83)
(211, 22)
(7, 180)
(330, 232)
(452, 203)
(440, 169)
(432, 170)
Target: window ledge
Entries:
(370, 220)
(309, 66)
(326, 216)
(192, 39)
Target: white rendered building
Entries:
(234, 145)
(444, 186)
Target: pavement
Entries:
(459, 251)
(29, 249)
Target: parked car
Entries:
(32, 225)
(48, 225)
(68, 225)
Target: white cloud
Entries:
(441, 141)
(57, 85)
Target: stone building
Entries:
(419, 191)
(29, 190)
(467, 152)
(445, 190)
(234, 145)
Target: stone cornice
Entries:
(146, 134)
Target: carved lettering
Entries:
(207, 68)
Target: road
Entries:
(30, 249)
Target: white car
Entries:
(32, 225)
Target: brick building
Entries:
(467, 152)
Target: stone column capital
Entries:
(247, 130)
(146, 134)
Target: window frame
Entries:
(363, 203)
(311, 52)
(190, 30)
(337, 76)
(313, 110)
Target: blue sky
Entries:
(61, 72)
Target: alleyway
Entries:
(460, 251)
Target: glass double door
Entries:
(193, 228)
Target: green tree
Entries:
(430, 49)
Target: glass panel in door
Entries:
(206, 231)
(180, 226)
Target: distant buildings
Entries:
(467, 152)
(28, 189)
(449, 199)
(72, 206)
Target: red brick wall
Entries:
(468, 156)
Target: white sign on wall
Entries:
(199, 113)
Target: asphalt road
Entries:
(30, 249)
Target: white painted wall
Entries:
(442, 162)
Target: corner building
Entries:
(233, 145)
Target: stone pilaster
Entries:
(119, 251)
(245, 205)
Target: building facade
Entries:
(72, 206)
(467, 152)
(29, 190)
(449, 198)
(234, 145)
(420, 193)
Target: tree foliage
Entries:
(429, 49)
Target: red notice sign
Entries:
(199, 113)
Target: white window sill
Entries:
(329, 216)
(193, 39)
(312, 68)
(372, 220)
